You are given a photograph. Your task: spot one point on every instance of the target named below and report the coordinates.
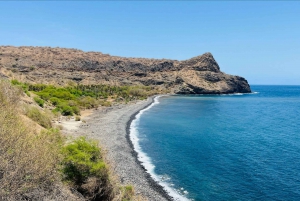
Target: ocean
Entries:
(223, 147)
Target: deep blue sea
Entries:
(224, 147)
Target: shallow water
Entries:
(224, 147)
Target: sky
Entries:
(259, 40)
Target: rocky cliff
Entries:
(198, 75)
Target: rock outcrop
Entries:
(198, 75)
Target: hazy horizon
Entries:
(256, 40)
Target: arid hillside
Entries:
(198, 75)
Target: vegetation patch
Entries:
(29, 160)
(39, 101)
(84, 169)
(127, 192)
(35, 162)
(42, 118)
(69, 100)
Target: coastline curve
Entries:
(144, 160)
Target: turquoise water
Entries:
(225, 147)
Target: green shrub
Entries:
(37, 87)
(77, 118)
(84, 169)
(62, 93)
(56, 112)
(82, 159)
(76, 110)
(66, 110)
(55, 101)
(44, 95)
(27, 93)
(39, 101)
(15, 82)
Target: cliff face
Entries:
(198, 75)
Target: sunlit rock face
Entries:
(198, 75)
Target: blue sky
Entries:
(257, 40)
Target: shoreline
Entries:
(154, 184)
(111, 127)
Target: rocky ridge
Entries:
(198, 75)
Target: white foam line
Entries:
(145, 160)
(238, 94)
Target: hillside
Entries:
(198, 75)
(39, 161)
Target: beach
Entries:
(110, 126)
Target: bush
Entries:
(76, 110)
(105, 103)
(137, 92)
(84, 168)
(77, 118)
(87, 102)
(27, 93)
(40, 117)
(55, 101)
(44, 95)
(15, 82)
(62, 93)
(39, 101)
(66, 110)
(82, 159)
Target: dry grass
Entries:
(43, 118)
(127, 193)
(28, 159)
